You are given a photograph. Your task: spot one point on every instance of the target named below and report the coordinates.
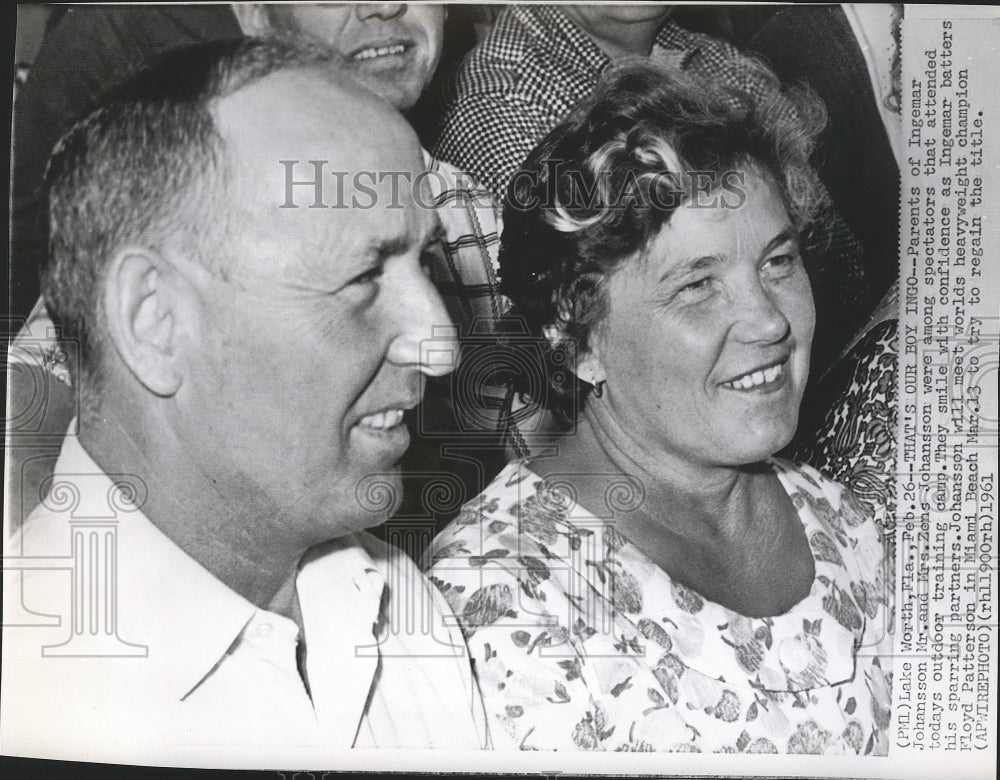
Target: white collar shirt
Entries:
(169, 665)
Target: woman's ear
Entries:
(140, 306)
(587, 366)
(590, 369)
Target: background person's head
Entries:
(391, 48)
(606, 257)
(272, 350)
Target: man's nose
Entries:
(427, 338)
(383, 11)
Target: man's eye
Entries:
(430, 260)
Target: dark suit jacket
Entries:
(816, 45)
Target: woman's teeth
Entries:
(381, 51)
(383, 420)
(757, 378)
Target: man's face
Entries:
(392, 49)
(305, 352)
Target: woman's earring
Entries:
(599, 388)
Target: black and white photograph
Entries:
(537, 389)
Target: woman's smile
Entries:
(765, 379)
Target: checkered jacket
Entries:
(532, 69)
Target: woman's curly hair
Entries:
(603, 183)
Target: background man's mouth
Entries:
(377, 52)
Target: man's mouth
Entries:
(382, 421)
(761, 378)
(376, 52)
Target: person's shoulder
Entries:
(840, 528)
(832, 502)
(43, 545)
(386, 556)
(520, 521)
(508, 63)
(486, 71)
(515, 32)
(797, 27)
(494, 510)
(63, 696)
(111, 37)
(46, 531)
(804, 477)
(488, 528)
(673, 36)
(492, 560)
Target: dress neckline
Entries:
(810, 643)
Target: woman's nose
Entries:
(760, 317)
(366, 11)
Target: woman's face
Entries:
(705, 345)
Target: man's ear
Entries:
(141, 309)
(252, 18)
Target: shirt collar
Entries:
(673, 43)
(185, 616)
(341, 594)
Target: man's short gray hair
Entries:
(148, 167)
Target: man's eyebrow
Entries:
(398, 245)
(390, 247)
(437, 235)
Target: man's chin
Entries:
(402, 93)
(377, 497)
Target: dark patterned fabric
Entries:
(855, 442)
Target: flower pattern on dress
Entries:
(582, 643)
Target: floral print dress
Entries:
(580, 642)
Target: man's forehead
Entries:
(311, 113)
(323, 248)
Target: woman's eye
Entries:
(781, 265)
(698, 285)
